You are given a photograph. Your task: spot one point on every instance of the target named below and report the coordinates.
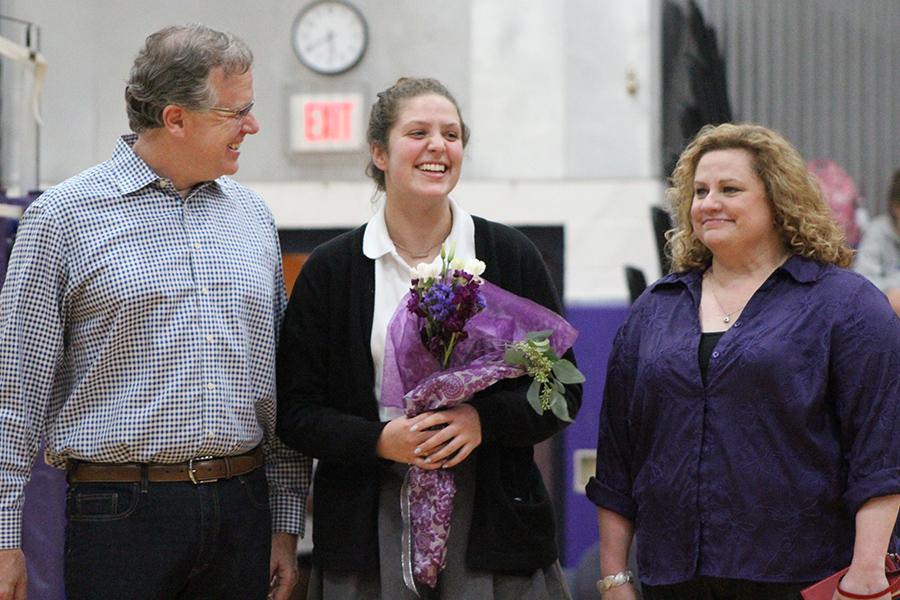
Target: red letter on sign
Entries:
(327, 121)
(312, 121)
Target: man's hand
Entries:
(13, 576)
(283, 574)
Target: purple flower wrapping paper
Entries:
(413, 380)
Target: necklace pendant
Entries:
(726, 319)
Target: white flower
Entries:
(475, 267)
(424, 271)
(457, 263)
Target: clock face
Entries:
(330, 36)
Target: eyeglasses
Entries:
(237, 114)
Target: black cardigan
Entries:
(327, 409)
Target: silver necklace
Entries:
(418, 255)
(726, 315)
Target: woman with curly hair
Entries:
(750, 417)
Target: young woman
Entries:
(502, 538)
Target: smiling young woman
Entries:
(331, 362)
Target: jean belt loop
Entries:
(145, 477)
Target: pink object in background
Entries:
(841, 195)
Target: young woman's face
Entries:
(425, 150)
(730, 210)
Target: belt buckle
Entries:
(192, 471)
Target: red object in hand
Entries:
(824, 590)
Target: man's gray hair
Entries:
(173, 68)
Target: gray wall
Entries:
(90, 45)
(826, 73)
(541, 82)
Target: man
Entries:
(137, 337)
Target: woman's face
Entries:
(425, 151)
(730, 211)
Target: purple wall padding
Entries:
(597, 326)
(44, 530)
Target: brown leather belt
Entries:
(203, 469)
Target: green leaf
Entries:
(538, 336)
(566, 372)
(534, 397)
(559, 407)
(558, 386)
(514, 356)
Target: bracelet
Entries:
(611, 581)
(890, 588)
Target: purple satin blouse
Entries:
(757, 474)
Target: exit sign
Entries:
(326, 122)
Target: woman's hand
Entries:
(458, 434)
(860, 582)
(400, 438)
(621, 592)
(874, 523)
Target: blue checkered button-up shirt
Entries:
(136, 325)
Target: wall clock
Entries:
(330, 36)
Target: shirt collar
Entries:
(802, 270)
(377, 242)
(129, 170)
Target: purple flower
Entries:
(445, 301)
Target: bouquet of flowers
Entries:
(457, 335)
(445, 299)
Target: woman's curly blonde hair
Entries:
(801, 215)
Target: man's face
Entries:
(213, 137)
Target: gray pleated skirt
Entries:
(456, 581)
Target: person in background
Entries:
(138, 328)
(748, 433)
(502, 537)
(879, 253)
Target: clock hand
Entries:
(327, 38)
(331, 45)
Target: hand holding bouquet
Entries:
(445, 344)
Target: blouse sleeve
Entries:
(610, 488)
(307, 418)
(865, 385)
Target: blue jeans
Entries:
(168, 541)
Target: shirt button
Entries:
(737, 323)
(209, 339)
(162, 183)
(210, 434)
(715, 354)
(205, 290)
(211, 386)
(196, 246)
